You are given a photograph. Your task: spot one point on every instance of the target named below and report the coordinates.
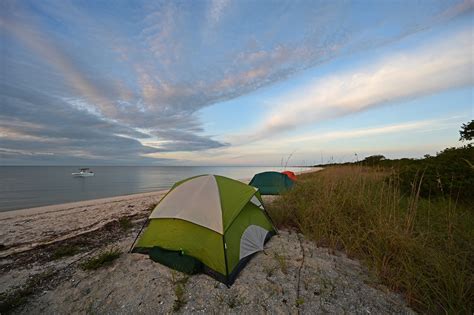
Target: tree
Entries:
(373, 159)
(467, 131)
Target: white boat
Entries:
(83, 172)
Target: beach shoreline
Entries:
(24, 229)
(90, 202)
(98, 201)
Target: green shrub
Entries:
(448, 174)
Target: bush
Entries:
(449, 174)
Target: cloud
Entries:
(430, 69)
(215, 12)
(308, 147)
(420, 126)
(103, 73)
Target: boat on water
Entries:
(83, 172)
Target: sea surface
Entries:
(33, 186)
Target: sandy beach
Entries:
(291, 276)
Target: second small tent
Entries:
(271, 183)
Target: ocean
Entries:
(33, 186)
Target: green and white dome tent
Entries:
(209, 223)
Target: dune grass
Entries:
(420, 247)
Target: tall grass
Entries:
(423, 248)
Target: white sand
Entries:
(134, 284)
(21, 230)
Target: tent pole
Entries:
(225, 258)
(139, 232)
(269, 217)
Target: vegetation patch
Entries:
(269, 270)
(65, 251)
(299, 302)
(179, 291)
(103, 259)
(281, 262)
(125, 223)
(232, 300)
(417, 245)
(16, 297)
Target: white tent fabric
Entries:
(256, 202)
(252, 240)
(196, 201)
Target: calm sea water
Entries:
(32, 186)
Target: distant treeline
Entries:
(449, 173)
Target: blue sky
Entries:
(232, 82)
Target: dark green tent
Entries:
(271, 183)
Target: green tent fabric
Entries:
(271, 183)
(209, 224)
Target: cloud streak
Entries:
(440, 66)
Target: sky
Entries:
(232, 82)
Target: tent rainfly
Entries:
(290, 174)
(271, 183)
(210, 224)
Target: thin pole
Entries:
(131, 247)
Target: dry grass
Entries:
(420, 247)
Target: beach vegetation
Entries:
(299, 302)
(233, 301)
(65, 251)
(15, 297)
(179, 290)
(125, 223)
(448, 174)
(281, 260)
(416, 243)
(269, 271)
(103, 259)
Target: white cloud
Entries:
(412, 126)
(434, 68)
(216, 10)
(308, 146)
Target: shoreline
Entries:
(24, 229)
(75, 204)
(93, 202)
